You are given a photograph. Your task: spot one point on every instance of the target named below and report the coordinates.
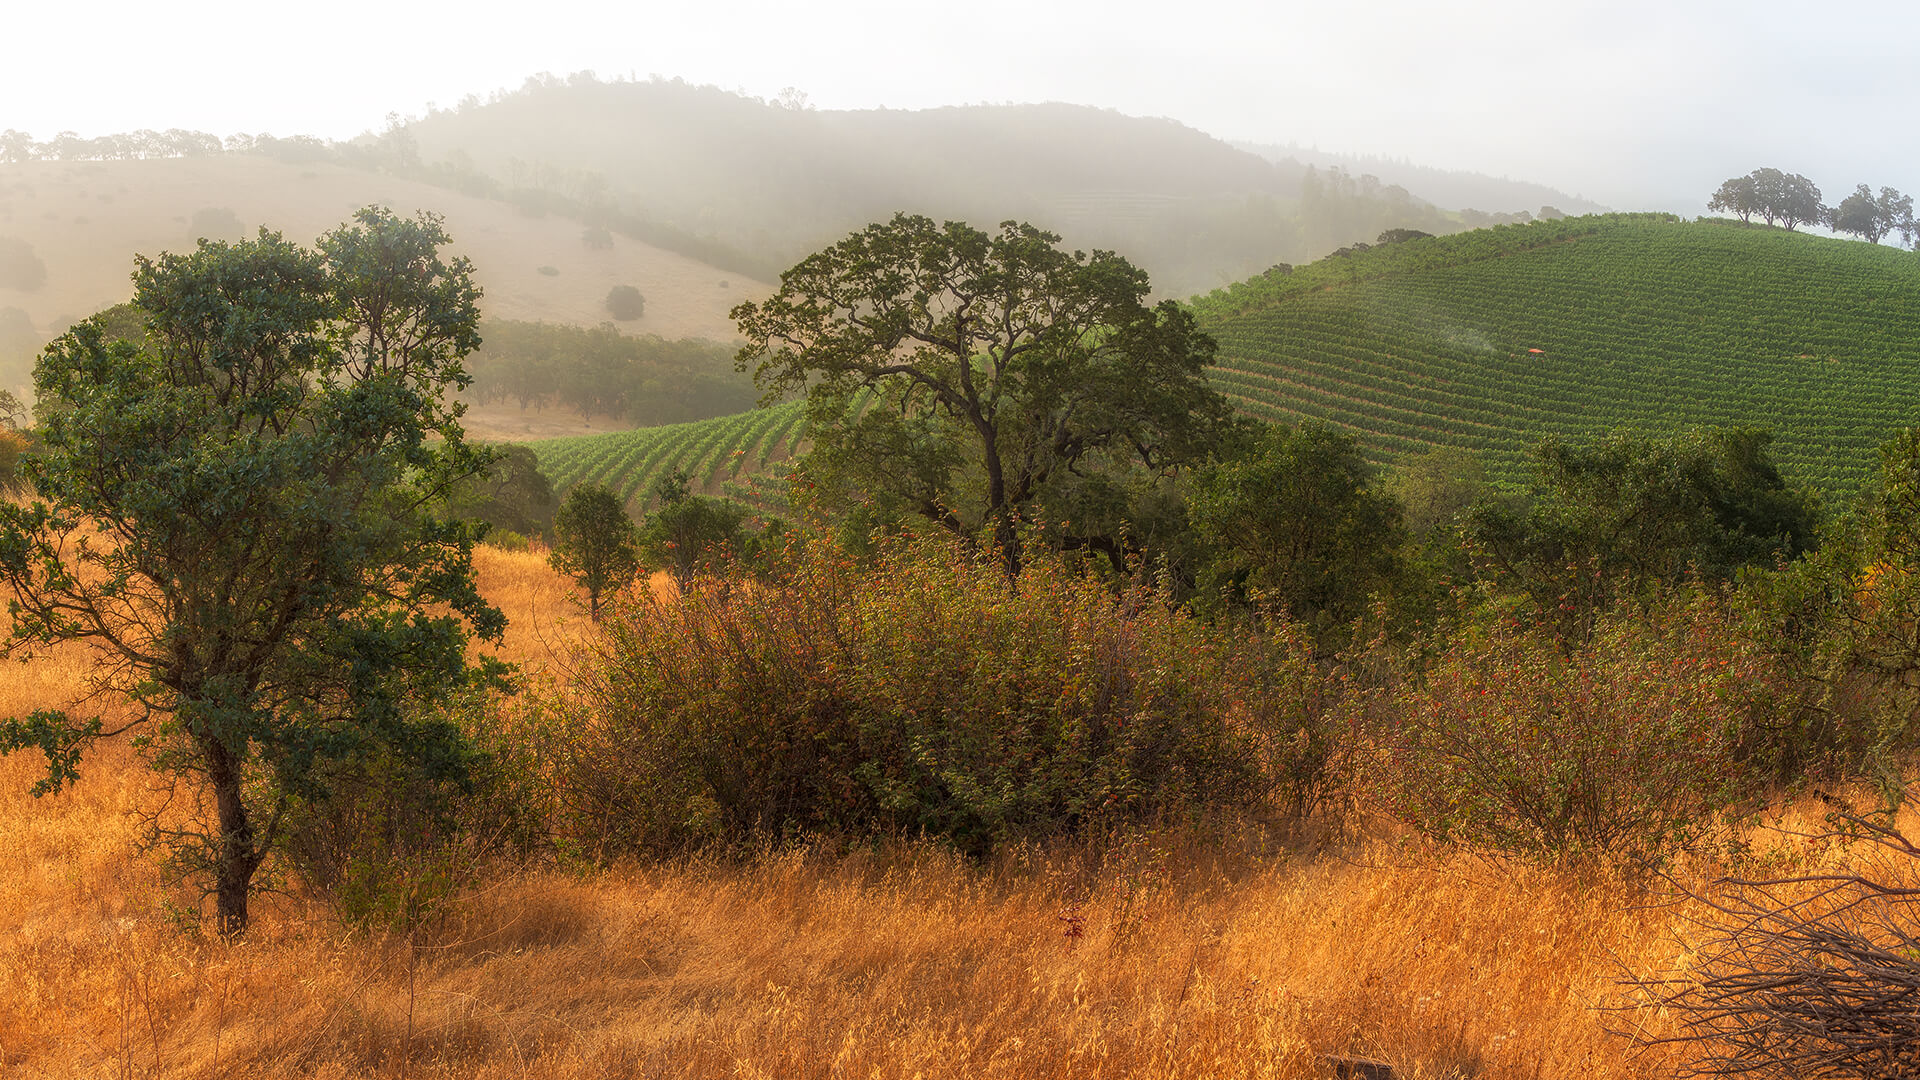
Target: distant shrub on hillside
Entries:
(215, 223)
(20, 268)
(625, 303)
(1401, 236)
(17, 336)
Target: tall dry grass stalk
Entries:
(1151, 955)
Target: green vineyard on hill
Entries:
(1491, 341)
(1495, 339)
(720, 456)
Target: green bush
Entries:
(1623, 749)
(625, 303)
(688, 533)
(924, 694)
(215, 223)
(507, 540)
(20, 268)
(389, 841)
(1843, 622)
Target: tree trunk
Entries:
(1008, 539)
(235, 857)
(1004, 534)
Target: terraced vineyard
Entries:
(1494, 339)
(722, 456)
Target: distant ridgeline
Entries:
(752, 186)
(1495, 339)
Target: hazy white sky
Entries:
(1634, 103)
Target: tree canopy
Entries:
(595, 542)
(1629, 514)
(998, 364)
(1785, 199)
(1297, 518)
(687, 533)
(236, 509)
(1871, 216)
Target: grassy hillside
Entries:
(84, 221)
(1494, 339)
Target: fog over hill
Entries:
(1454, 189)
(777, 180)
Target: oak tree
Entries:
(1296, 517)
(595, 542)
(998, 363)
(236, 509)
(1871, 216)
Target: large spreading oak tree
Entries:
(236, 508)
(998, 364)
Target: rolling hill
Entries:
(778, 182)
(1495, 339)
(721, 456)
(83, 221)
(1454, 189)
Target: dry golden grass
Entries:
(1158, 955)
(87, 219)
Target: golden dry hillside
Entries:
(1163, 954)
(85, 221)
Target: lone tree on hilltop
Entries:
(1784, 199)
(236, 509)
(1001, 366)
(1736, 196)
(595, 542)
(1871, 217)
(1791, 199)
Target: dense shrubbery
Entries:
(389, 841)
(925, 691)
(1627, 746)
(929, 694)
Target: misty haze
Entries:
(1042, 540)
